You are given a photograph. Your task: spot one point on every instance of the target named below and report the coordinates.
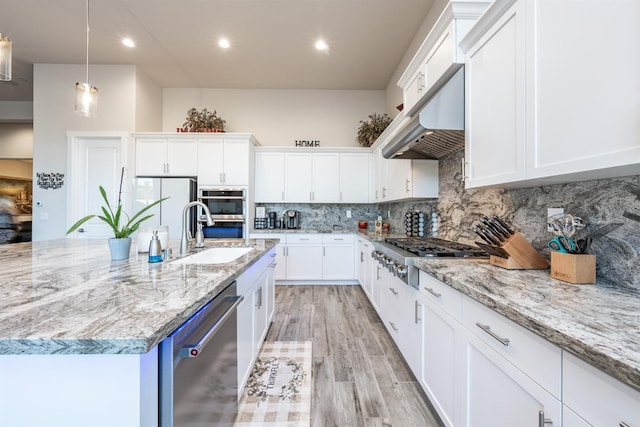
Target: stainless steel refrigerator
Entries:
(180, 192)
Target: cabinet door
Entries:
(500, 395)
(338, 262)
(410, 316)
(494, 103)
(210, 161)
(581, 112)
(182, 157)
(414, 90)
(377, 283)
(398, 179)
(271, 292)
(236, 163)
(304, 262)
(439, 361)
(269, 177)
(354, 177)
(571, 419)
(298, 184)
(151, 157)
(246, 339)
(326, 178)
(260, 313)
(280, 269)
(379, 176)
(441, 56)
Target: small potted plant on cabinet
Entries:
(371, 129)
(203, 121)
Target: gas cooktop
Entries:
(433, 247)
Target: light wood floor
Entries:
(359, 377)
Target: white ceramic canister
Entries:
(163, 235)
(143, 238)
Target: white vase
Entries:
(120, 248)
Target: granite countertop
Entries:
(599, 323)
(297, 230)
(67, 297)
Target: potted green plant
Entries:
(371, 129)
(120, 244)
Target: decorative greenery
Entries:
(203, 121)
(371, 129)
(113, 218)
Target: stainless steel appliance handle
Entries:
(487, 329)
(194, 350)
(221, 197)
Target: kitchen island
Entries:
(79, 332)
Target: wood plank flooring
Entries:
(359, 377)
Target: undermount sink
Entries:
(214, 256)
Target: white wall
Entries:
(53, 116)
(16, 111)
(148, 103)
(279, 117)
(16, 141)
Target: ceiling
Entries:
(176, 40)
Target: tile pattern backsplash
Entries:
(599, 202)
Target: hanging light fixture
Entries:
(86, 94)
(5, 58)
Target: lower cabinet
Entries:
(364, 265)
(254, 313)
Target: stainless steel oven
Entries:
(199, 367)
(228, 208)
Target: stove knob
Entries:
(401, 272)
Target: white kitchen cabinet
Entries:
(499, 394)
(495, 102)
(571, 419)
(414, 90)
(534, 114)
(364, 263)
(165, 156)
(304, 256)
(596, 397)
(325, 178)
(269, 177)
(354, 177)
(378, 281)
(298, 185)
(398, 177)
(270, 284)
(402, 179)
(223, 161)
(260, 311)
(338, 261)
(441, 351)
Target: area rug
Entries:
(278, 391)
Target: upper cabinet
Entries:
(216, 160)
(547, 100)
(401, 179)
(166, 156)
(321, 176)
(438, 51)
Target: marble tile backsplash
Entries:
(599, 202)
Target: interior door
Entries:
(95, 161)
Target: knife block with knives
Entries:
(507, 248)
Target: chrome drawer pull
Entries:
(542, 420)
(432, 292)
(393, 291)
(393, 325)
(487, 329)
(623, 424)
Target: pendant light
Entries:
(5, 58)
(86, 94)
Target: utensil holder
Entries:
(573, 268)
(522, 255)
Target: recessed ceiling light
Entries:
(321, 45)
(224, 43)
(128, 42)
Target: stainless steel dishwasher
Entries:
(198, 367)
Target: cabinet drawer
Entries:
(337, 238)
(280, 236)
(597, 397)
(532, 354)
(304, 238)
(441, 294)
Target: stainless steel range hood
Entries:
(438, 129)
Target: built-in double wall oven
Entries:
(228, 208)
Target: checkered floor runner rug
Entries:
(278, 392)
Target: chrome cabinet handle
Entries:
(487, 329)
(417, 312)
(393, 291)
(407, 186)
(259, 299)
(542, 420)
(623, 424)
(195, 350)
(393, 325)
(432, 292)
(361, 256)
(324, 251)
(377, 272)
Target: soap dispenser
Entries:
(155, 249)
